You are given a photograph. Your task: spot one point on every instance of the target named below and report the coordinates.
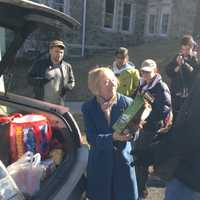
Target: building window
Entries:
(152, 24)
(158, 18)
(58, 5)
(67, 7)
(126, 19)
(164, 23)
(37, 1)
(40, 1)
(109, 14)
(6, 38)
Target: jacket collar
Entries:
(51, 64)
(126, 66)
(144, 86)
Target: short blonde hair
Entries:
(94, 78)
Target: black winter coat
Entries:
(181, 142)
(184, 77)
(161, 106)
(38, 79)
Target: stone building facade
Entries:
(185, 17)
(172, 18)
(112, 22)
(108, 24)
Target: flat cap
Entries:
(57, 43)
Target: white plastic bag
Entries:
(27, 173)
(8, 188)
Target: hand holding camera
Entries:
(180, 59)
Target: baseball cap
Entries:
(57, 43)
(148, 65)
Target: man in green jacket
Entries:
(126, 72)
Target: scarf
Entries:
(147, 86)
(106, 105)
(124, 67)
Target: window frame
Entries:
(55, 5)
(65, 5)
(113, 29)
(167, 25)
(132, 21)
(159, 9)
(2, 41)
(153, 24)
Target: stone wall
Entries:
(184, 14)
(197, 21)
(76, 11)
(141, 8)
(184, 19)
(97, 36)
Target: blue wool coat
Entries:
(109, 170)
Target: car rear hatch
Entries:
(23, 17)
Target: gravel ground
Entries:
(155, 193)
(156, 188)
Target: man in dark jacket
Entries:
(181, 70)
(183, 143)
(52, 77)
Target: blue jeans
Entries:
(176, 190)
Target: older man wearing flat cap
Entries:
(52, 77)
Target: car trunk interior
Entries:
(64, 130)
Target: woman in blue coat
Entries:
(110, 175)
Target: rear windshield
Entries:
(6, 37)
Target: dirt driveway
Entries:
(156, 188)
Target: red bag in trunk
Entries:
(5, 139)
(30, 132)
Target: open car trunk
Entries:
(64, 128)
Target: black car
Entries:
(20, 18)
